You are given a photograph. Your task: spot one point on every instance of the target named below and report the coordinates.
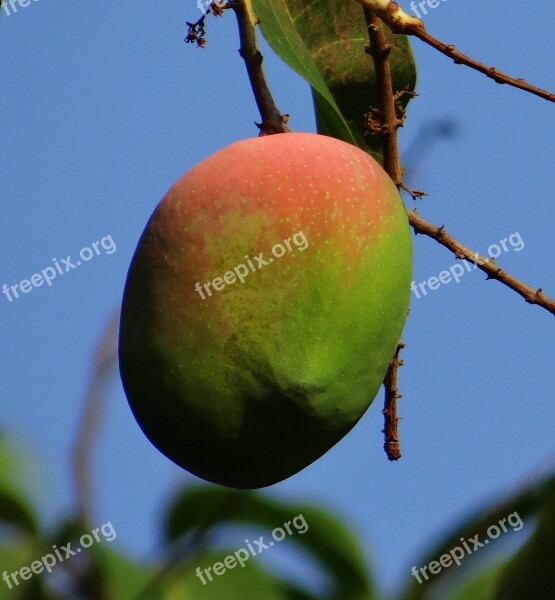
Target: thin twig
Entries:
(401, 22)
(416, 194)
(487, 265)
(104, 363)
(272, 119)
(462, 59)
(87, 579)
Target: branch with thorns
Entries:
(400, 22)
(389, 123)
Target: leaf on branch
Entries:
(324, 42)
(280, 32)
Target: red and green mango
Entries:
(245, 381)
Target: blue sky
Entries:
(104, 106)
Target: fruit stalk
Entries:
(272, 119)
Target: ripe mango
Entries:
(262, 306)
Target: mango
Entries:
(262, 306)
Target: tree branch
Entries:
(487, 265)
(400, 22)
(272, 119)
(391, 435)
(389, 122)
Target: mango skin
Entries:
(255, 382)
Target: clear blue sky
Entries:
(103, 107)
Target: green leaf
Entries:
(120, 577)
(238, 583)
(480, 587)
(531, 573)
(328, 37)
(17, 512)
(279, 30)
(326, 539)
(526, 502)
(12, 558)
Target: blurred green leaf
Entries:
(121, 578)
(234, 584)
(21, 552)
(531, 572)
(15, 510)
(12, 558)
(102, 566)
(526, 501)
(480, 587)
(327, 539)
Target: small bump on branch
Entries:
(416, 194)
